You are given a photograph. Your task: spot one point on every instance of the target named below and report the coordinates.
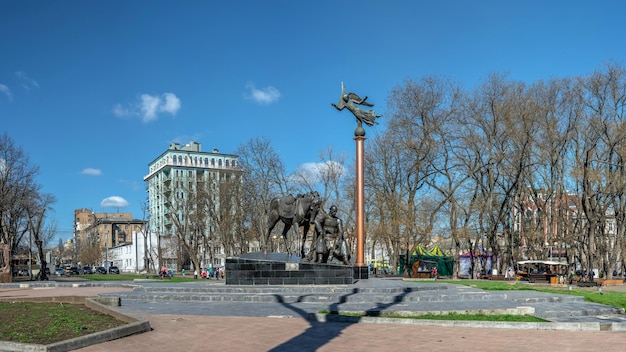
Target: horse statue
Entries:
(298, 211)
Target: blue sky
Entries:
(95, 90)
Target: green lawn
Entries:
(452, 316)
(607, 297)
(130, 277)
(610, 298)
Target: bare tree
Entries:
(600, 152)
(40, 234)
(263, 178)
(408, 158)
(225, 214)
(18, 190)
(189, 221)
(90, 251)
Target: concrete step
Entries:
(319, 295)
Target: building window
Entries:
(180, 159)
(219, 163)
(206, 161)
(226, 162)
(212, 162)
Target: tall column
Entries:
(352, 101)
(360, 208)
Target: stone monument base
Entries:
(280, 269)
(361, 272)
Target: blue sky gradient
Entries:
(95, 90)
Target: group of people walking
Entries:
(209, 273)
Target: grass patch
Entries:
(609, 298)
(46, 323)
(455, 316)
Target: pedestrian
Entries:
(195, 274)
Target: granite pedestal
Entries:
(280, 269)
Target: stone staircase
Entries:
(378, 298)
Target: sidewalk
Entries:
(174, 332)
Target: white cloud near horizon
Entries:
(91, 171)
(4, 89)
(265, 96)
(149, 107)
(114, 201)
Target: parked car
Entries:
(73, 270)
(100, 270)
(87, 270)
(59, 271)
(114, 270)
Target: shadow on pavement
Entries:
(319, 333)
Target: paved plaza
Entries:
(283, 318)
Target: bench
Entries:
(532, 278)
(157, 276)
(586, 284)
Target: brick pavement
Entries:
(174, 332)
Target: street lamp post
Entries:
(106, 252)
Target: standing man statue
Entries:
(329, 243)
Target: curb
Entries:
(335, 318)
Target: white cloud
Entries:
(120, 111)
(148, 107)
(4, 89)
(27, 82)
(265, 96)
(171, 104)
(91, 172)
(316, 172)
(310, 172)
(114, 201)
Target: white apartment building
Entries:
(172, 175)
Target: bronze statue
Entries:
(292, 211)
(329, 244)
(350, 102)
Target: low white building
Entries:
(133, 257)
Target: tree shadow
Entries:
(319, 332)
